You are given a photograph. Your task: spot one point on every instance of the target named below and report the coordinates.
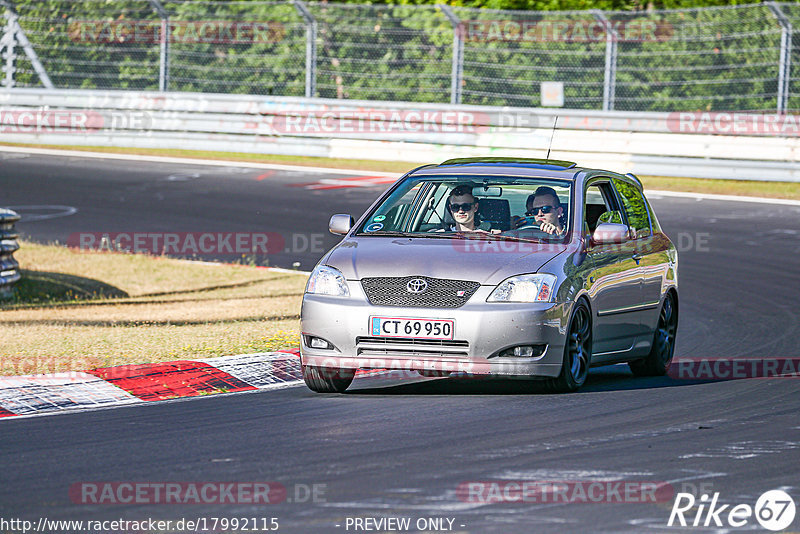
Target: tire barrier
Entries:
(9, 267)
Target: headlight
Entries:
(326, 280)
(525, 288)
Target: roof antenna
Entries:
(555, 124)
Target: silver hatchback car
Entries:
(495, 266)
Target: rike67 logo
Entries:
(774, 510)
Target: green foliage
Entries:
(687, 59)
(634, 207)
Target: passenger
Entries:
(546, 210)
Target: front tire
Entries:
(577, 351)
(324, 380)
(658, 361)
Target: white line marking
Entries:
(220, 264)
(193, 161)
(652, 193)
(570, 474)
(61, 211)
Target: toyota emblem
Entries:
(417, 285)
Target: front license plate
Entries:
(410, 327)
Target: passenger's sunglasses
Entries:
(543, 209)
(466, 206)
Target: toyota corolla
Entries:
(495, 267)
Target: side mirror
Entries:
(610, 233)
(341, 223)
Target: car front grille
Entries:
(409, 346)
(440, 293)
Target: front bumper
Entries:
(482, 330)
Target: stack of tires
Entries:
(9, 268)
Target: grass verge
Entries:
(789, 190)
(75, 311)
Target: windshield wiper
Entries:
(388, 233)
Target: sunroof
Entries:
(551, 164)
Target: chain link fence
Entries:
(719, 58)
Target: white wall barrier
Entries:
(702, 145)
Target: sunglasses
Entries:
(543, 209)
(466, 206)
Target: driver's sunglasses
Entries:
(466, 206)
(543, 209)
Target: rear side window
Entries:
(635, 208)
(600, 206)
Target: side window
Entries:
(600, 206)
(635, 208)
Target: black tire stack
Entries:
(9, 267)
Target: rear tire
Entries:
(577, 352)
(658, 361)
(325, 380)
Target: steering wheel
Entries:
(539, 233)
(529, 224)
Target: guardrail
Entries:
(9, 267)
(702, 145)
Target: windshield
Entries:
(458, 206)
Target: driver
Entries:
(545, 208)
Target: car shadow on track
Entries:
(611, 378)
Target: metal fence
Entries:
(720, 58)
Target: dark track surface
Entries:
(402, 450)
(125, 196)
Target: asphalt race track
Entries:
(403, 450)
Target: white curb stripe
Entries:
(59, 391)
(265, 370)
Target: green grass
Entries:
(75, 311)
(788, 190)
